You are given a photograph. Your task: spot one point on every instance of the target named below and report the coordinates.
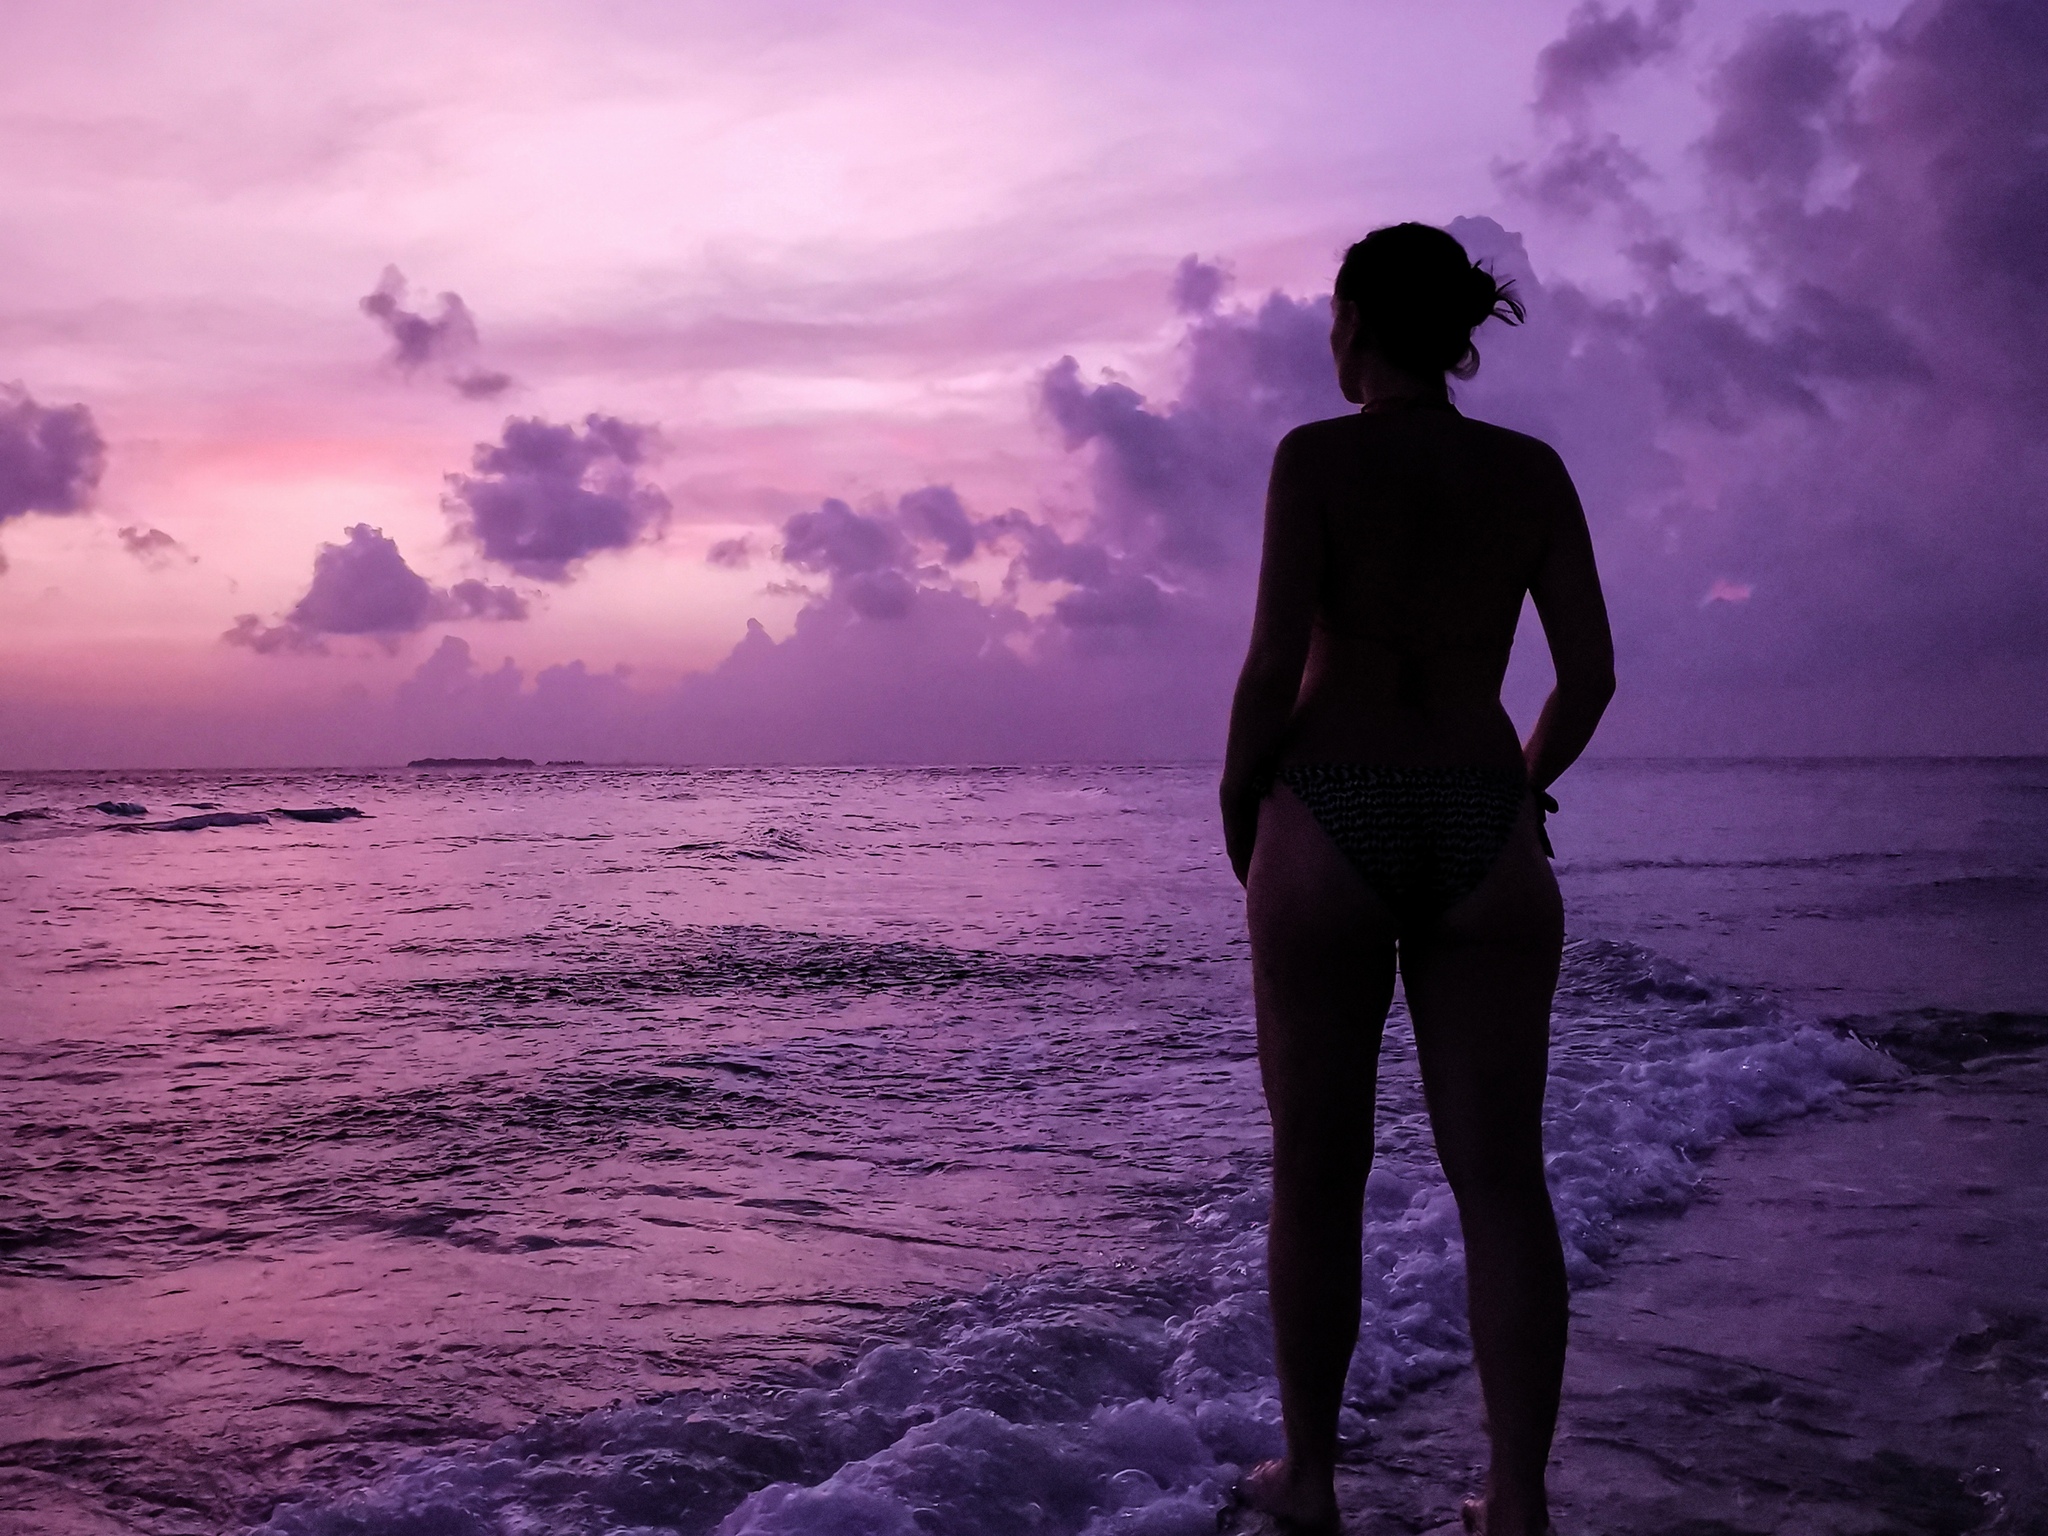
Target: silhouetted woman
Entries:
(1380, 810)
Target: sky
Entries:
(681, 382)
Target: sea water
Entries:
(832, 1150)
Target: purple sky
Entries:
(714, 383)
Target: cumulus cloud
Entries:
(1827, 380)
(546, 496)
(447, 339)
(153, 547)
(936, 512)
(731, 554)
(865, 557)
(51, 456)
(364, 587)
(1115, 628)
(1780, 99)
(473, 599)
(1600, 46)
(1180, 486)
(1197, 285)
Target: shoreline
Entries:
(1846, 1333)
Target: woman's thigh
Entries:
(1479, 989)
(1323, 975)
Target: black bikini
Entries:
(1422, 838)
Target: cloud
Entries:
(731, 554)
(448, 339)
(1180, 487)
(1599, 46)
(1584, 175)
(51, 456)
(546, 496)
(473, 599)
(937, 513)
(1832, 357)
(1114, 632)
(364, 587)
(154, 548)
(1197, 285)
(481, 384)
(866, 558)
(1780, 99)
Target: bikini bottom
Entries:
(1422, 838)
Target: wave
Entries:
(1124, 1404)
(31, 823)
(602, 964)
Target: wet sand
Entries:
(1849, 1334)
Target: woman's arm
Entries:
(1290, 572)
(1566, 589)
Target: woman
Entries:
(1380, 810)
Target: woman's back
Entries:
(1431, 528)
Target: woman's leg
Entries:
(1322, 975)
(1480, 992)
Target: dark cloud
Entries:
(153, 547)
(51, 456)
(1780, 100)
(1841, 339)
(418, 339)
(1198, 285)
(936, 513)
(1584, 175)
(877, 560)
(547, 496)
(731, 554)
(1121, 597)
(251, 633)
(364, 587)
(866, 557)
(481, 384)
(1180, 487)
(1599, 46)
(473, 599)
(447, 339)
(839, 541)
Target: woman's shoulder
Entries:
(1350, 433)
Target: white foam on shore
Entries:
(1070, 1403)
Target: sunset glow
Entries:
(813, 256)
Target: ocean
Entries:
(862, 1150)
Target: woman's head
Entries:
(1410, 294)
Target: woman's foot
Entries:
(1299, 1504)
(1473, 1513)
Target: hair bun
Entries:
(1486, 293)
(1420, 297)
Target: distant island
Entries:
(470, 762)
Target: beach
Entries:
(820, 1150)
(1844, 1335)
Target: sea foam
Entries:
(1064, 1401)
